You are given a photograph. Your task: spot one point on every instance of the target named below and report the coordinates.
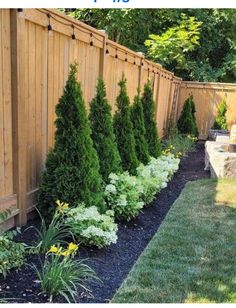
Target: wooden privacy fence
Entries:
(207, 97)
(36, 49)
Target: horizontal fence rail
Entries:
(35, 63)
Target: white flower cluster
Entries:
(127, 194)
(91, 227)
(155, 175)
(123, 195)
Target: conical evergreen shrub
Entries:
(141, 145)
(187, 123)
(124, 130)
(220, 120)
(151, 133)
(103, 134)
(193, 114)
(72, 167)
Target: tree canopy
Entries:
(210, 57)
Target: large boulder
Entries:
(218, 160)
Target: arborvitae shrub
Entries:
(72, 167)
(103, 134)
(141, 145)
(151, 133)
(187, 123)
(220, 120)
(124, 130)
(194, 117)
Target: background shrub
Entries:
(103, 134)
(124, 130)
(151, 133)
(72, 167)
(139, 130)
(220, 120)
(187, 122)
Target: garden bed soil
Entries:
(112, 264)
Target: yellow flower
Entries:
(65, 253)
(62, 206)
(72, 247)
(53, 249)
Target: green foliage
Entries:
(92, 228)
(123, 195)
(55, 233)
(172, 45)
(63, 275)
(103, 134)
(11, 253)
(72, 167)
(213, 59)
(187, 122)
(220, 120)
(151, 133)
(124, 130)
(171, 128)
(139, 130)
(179, 145)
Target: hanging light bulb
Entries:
(134, 60)
(107, 50)
(50, 32)
(20, 13)
(126, 57)
(91, 39)
(73, 34)
(116, 56)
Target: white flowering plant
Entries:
(127, 194)
(123, 195)
(155, 175)
(91, 227)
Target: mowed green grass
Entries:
(192, 257)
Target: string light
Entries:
(107, 50)
(126, 59)
(116, 56)
(91, 39)
(73, 34)
(134, 60)
(49, 23)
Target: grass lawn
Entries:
(192, 257)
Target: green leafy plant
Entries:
(103, 134)
(56, 232)
(61, 275)
(179, 145)
(151, 133)
(124, 130)
(187, 121)
(72, 167)
(221, 120)
(173, 45)
(11, 253)
(139, 130)
(123, 195)
(92, 228)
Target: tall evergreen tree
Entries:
(139, 130)
(72, 167)
(124, 130)
(153, 141)
(103, 134)
(186, 123)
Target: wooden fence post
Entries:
(18, 113)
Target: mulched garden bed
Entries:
(111, 264)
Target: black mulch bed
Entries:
(113, 263)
